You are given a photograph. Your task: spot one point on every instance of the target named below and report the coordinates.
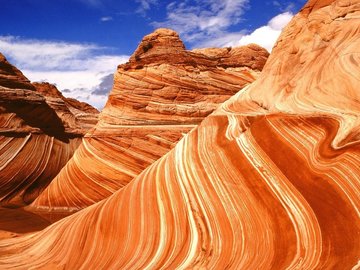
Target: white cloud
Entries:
(208, 23)
(204, 21)
(145, 5)
(74, 66)
(44, 54)
(106, 19)
(265, 36)
(280, 21)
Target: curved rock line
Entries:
(266, 182)
(40, 130)
(162, 93)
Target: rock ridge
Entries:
(162, 93)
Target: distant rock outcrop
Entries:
(75, 114)
(158, 96)
(39, 132)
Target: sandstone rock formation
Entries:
(269, 181)
(74, 114)
(39, 132)
(11, 77)
(159, 95)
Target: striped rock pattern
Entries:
(39, 132)
(160, 94)
(268, 181)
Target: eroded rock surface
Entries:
(271, 180)
(39, 132)
(158, 96)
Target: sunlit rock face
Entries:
(11, 77)
(271, 180)
(39, 133)
(158, 96)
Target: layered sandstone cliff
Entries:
(270, 181)
(39, 133)
(158, 96)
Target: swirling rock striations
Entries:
(39, 132)
(160, 94)
(269, 181)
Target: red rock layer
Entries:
(161, 94)
(39, 133)
(269, 181)
(11, 77)
(77, 116)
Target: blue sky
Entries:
(78, 43)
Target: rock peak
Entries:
(47, 89)
(161, 41)
(163, 36)
(165, 32)
(11, 77)
(164, 46)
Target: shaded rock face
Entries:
(269, 181)
(50, 90)
(77, 116)
(39, 132)
(162, 93)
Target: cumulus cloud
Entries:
(203, 21)
(264, 36)
(79, 68)
(280, 21)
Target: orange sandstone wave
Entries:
(268, 181)
(39, 132)
(158, 96)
